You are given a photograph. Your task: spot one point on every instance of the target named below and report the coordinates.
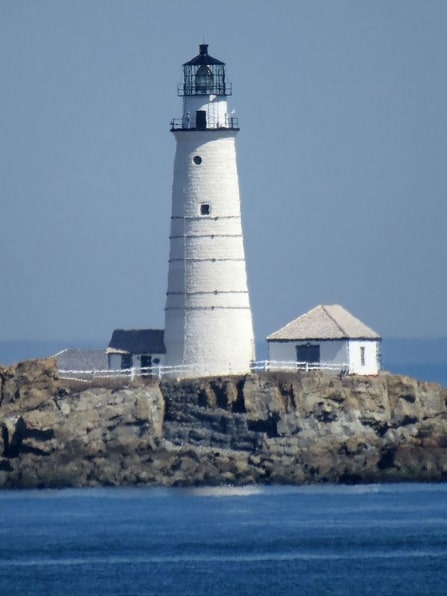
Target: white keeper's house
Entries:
(136, 348)
(327, 336)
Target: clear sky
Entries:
(342, 158)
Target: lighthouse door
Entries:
(201, 120)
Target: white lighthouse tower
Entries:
(208, 322)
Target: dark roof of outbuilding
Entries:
(79, 359)
(203, 57)
(137, 341)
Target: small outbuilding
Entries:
(76, 360)
(327, 335)
(136, 348)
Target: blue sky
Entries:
(342, 158)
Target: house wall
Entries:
(115, 360)
(341, 352)
(371, 364)
(334, 351)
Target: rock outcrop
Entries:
(265, 428)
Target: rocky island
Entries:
(266, 428)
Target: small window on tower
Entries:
(197, 160)
(204, 209)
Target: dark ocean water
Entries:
(389, 539)
(434, 373)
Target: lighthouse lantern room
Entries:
(208, 321)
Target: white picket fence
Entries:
(192, 371)
(292, 366)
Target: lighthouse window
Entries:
(204, 79)
(197, 160)
(204, 209)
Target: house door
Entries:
(146, 363)
(309, 353)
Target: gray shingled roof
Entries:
(324, 322)
(79, 359)
(137, 341)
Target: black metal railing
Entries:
(189, 123)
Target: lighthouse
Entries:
(208, 320)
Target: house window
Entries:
(362, 355)
(126, 361)
(204, 209)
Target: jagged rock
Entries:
(27, 385)
(266, 428)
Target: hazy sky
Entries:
(342, 158)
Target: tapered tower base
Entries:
(208, 326)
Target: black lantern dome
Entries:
(204, 75)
